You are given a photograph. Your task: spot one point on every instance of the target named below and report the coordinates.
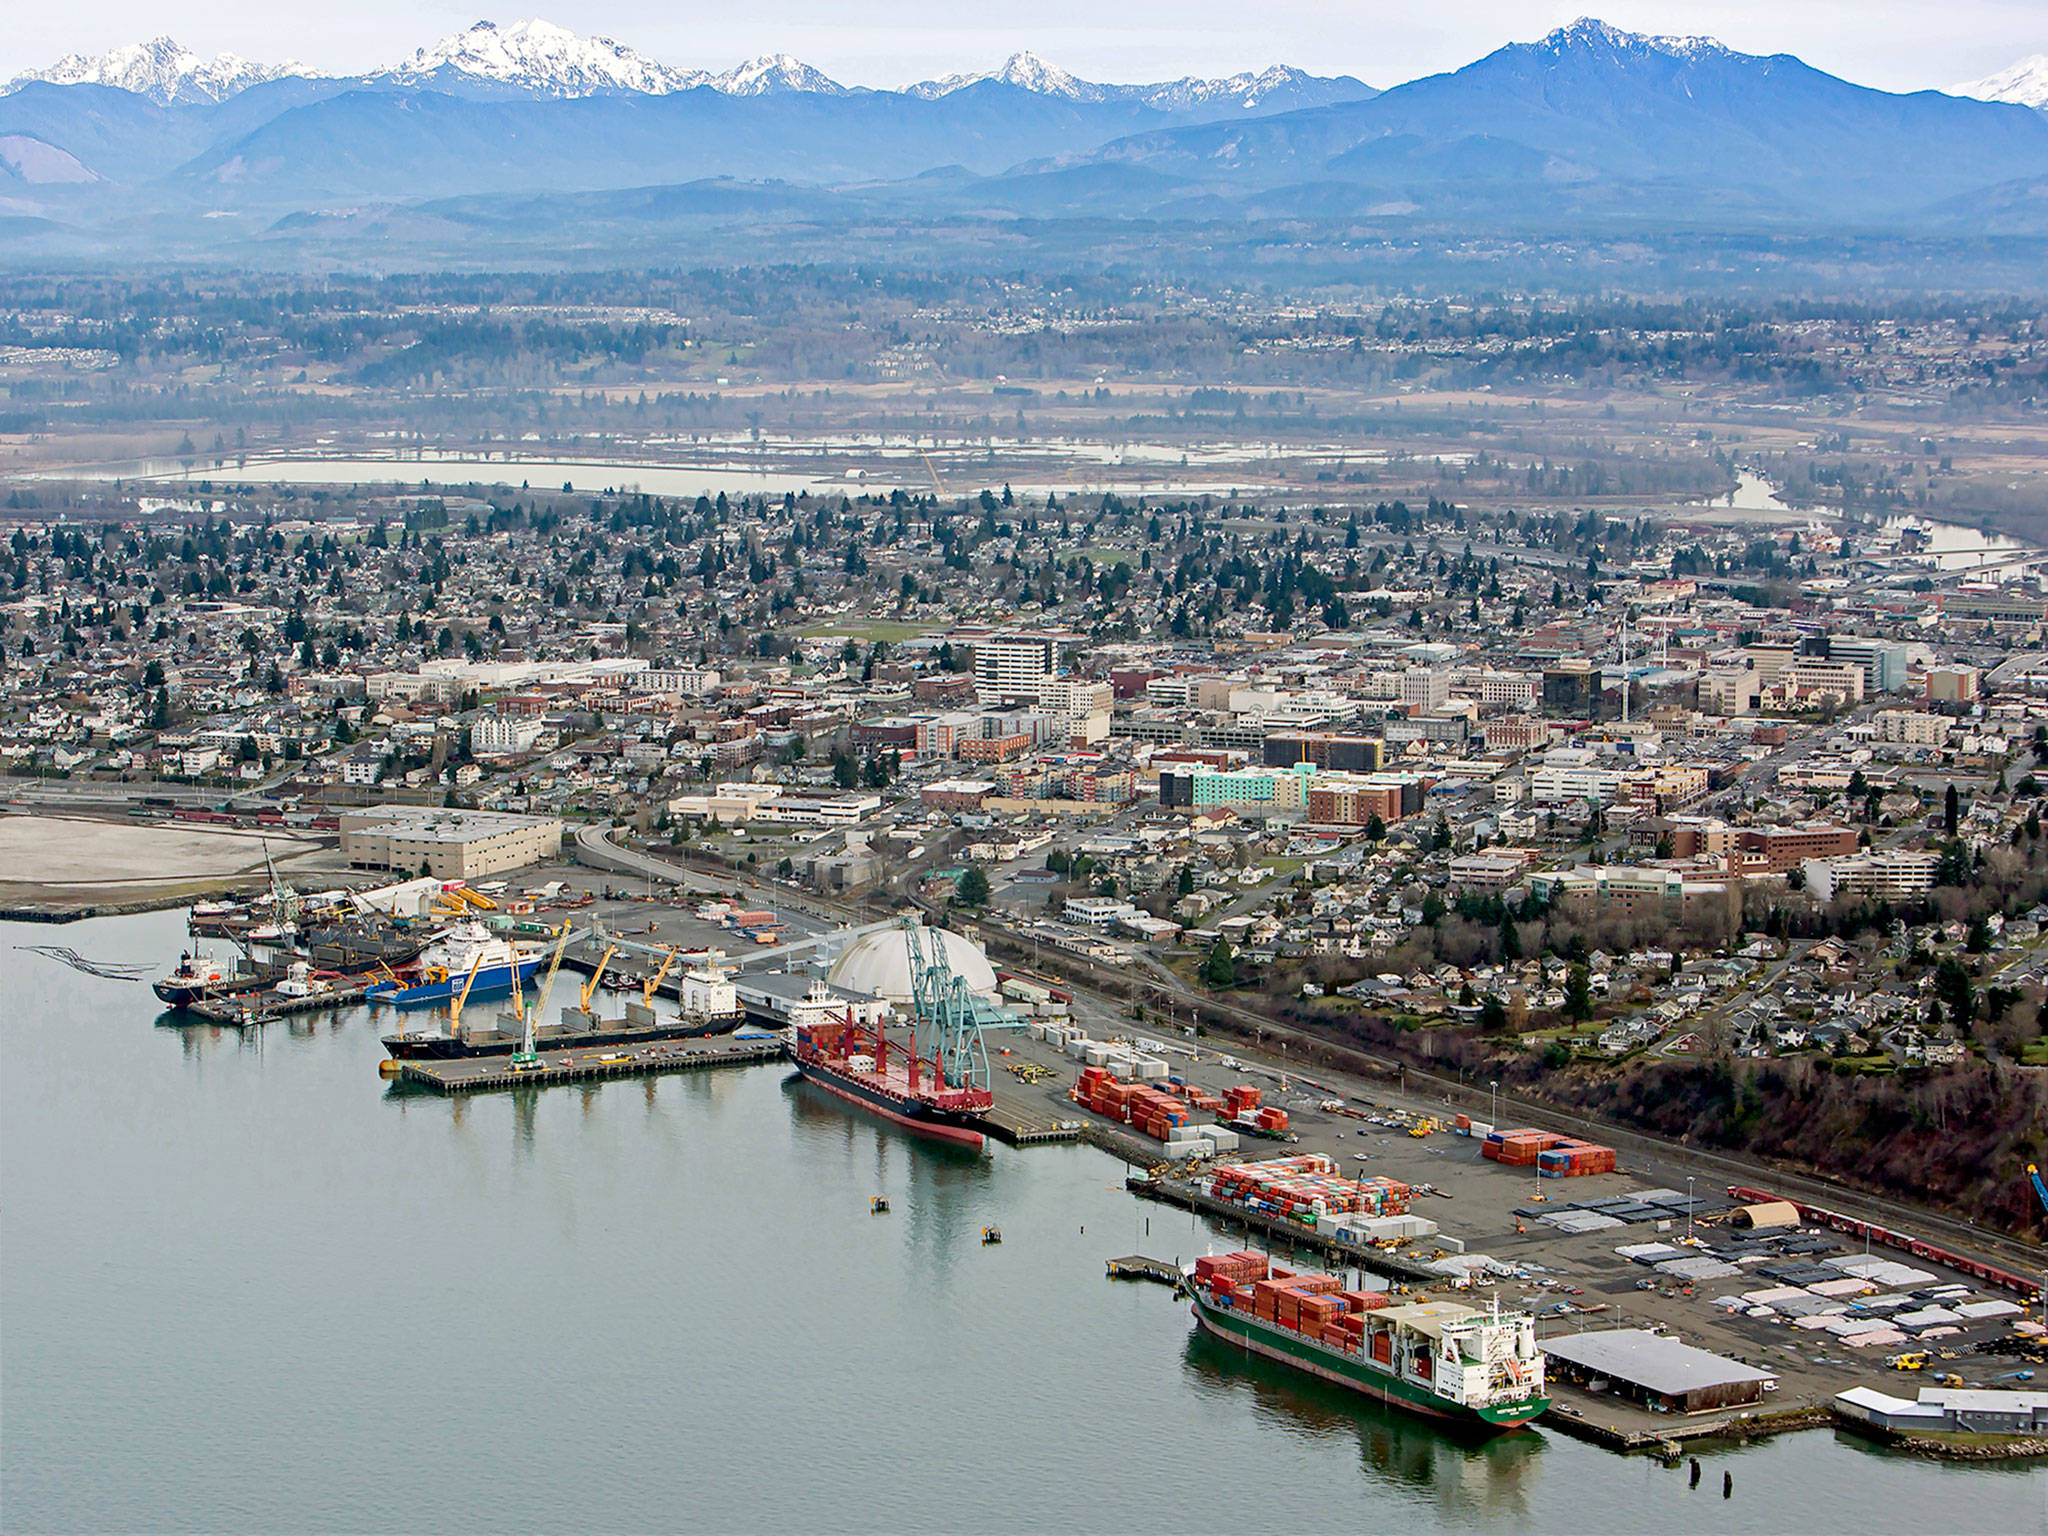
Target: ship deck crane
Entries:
(590, 987)
(654, 982)
(526, 1056)
(455, 1006)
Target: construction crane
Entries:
(285, 903)
(455, 1005)
(2041, 1192)
(654, 982)
(948, 1025)
(590, 987)
(526, 1056)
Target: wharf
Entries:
(1137, 1267)
(590, 1063)
(1025, 1120)
(261, 1007)
(1384, 1261)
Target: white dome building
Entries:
(879, 963)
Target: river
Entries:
(249, 1286)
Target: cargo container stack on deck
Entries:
(1448, 1361)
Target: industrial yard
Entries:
(1556, 1248)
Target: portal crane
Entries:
(526, 1056)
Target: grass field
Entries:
(888, 631)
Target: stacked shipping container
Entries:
(1317, 1306)
(1143, 1108)
(1553, 1156)
(1305, 1189)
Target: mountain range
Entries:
(1589, 125)
(541, 59)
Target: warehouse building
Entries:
(449, 845)
(1656, 1370)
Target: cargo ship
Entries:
(856, 1062)
(446, 964)
(709, 1007)
(1446, 1361)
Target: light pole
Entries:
(1688, 1210)
(1493, 1115)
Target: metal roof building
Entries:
(1656, 1369)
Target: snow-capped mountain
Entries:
(1026, 71)
(2025, 83)
(163, 70)
(1247, 91)
(1589, 36)
(540, 57)
(773, 73)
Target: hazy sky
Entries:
(1896, 44)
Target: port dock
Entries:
(1026, 1120)
(261, 1007)
(478, 1074)
(1137, 1267)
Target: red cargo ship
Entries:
(858, 1064)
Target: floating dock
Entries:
(262, 1007)
(1137, 1267)
(476, 1074)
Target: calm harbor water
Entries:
(244, 1285)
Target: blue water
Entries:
(246, 1286)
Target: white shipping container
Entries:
(1223, 1136)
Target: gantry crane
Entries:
(948, 1026)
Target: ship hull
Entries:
(1356, 1373)
(491, 981)
(919, 1119)
(183, 994)
(446, 1048)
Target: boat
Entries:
(360, 945)
(857, 1063)
(446, 967)
(1480, 1368)
(198, 978)
(709, 1006)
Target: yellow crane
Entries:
(456, 1005)
(526, 1057)
(654, 982)
(590, 987)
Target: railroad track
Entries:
(1260, 1028)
